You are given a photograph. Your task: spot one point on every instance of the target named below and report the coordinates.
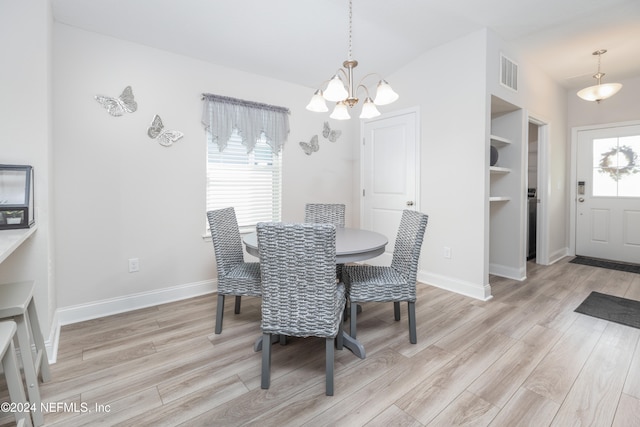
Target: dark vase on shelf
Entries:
(494, 156)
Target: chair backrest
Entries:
(299, 289)
(225, 236)
(406, 252)
(324, 213)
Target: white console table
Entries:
(10, 240)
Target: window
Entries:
(616, 172)
(244, 161)
(250, 182)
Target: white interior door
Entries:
(608, 193)
(389, 175)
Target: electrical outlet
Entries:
(447, 252)
(134, 265)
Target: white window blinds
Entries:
(244, 171)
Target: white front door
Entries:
(390, 159)
(608, 193)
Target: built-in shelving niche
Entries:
(506, 191)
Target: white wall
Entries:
(545, 100)
(25, 120)
(448, 84)
(452, 85)
(121, 195)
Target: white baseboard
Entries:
(508, 272)
(93, 310)
(558, 255)
(473, 290)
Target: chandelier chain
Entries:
(350, 28)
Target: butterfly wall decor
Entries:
(331, 135)
(311, 146)
(164, 137)
(118, 106)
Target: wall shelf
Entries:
(10, 240)
(499, 199)
(499, 141)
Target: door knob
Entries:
(409, 203)
(581, 199)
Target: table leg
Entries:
(353, 344)
(347, 340)
(257, 346)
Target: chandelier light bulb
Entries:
(340, 112)
(384, 94)
(335, 91)
(599, 92)
(317, 103)
(369, 109)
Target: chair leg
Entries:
(329, 366)
(41, 351)
(412, 322)
(28, 365)
(219, 313)
(266, 361)
(352, 320)
(237, 307)
(396, 310)
(339, 340)
(14, 384)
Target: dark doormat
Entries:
(608, 307)
(620, 266)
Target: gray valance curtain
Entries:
(221, 115)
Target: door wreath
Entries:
(618, 171)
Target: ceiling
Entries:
(305, 41)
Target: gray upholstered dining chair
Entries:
(324, 213)
(235, 276)
(300, 295)
(396, 283)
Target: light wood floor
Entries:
(523, 358)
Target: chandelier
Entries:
(600, 91)
(346, 94)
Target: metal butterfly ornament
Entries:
(118, 106)
(164, 137)
(310, 147)
(331, 135)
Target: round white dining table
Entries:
(352, 245)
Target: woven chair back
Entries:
(300, 295)
(225, 236)
(406, 252)
(325, 213)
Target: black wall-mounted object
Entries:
(16, 196)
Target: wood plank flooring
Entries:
(523, 358)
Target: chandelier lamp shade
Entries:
(344, 92)
(600, 91)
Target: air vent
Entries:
(508, 73)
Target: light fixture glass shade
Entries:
(317, 103)
(340, 112)
(369, 109)
(599, 92)
(335, 90)
(384, 94)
